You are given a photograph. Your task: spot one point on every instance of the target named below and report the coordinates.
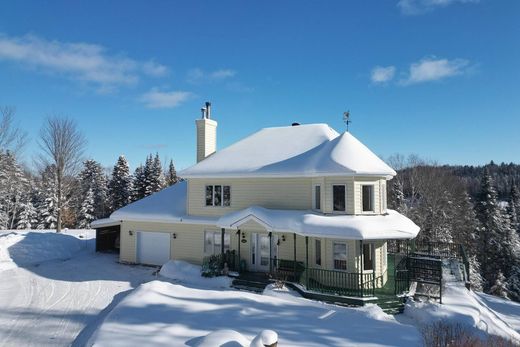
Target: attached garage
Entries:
(108, 233)
(153, 248)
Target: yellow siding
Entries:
(280, 193)
(188, 244)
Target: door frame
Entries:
(255, 256)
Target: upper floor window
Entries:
(368, 198)
(218, 195)
(317, 197)
(339, 197)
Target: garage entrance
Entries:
(153, 248)
(107, 239)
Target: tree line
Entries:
(445, 203)
(64, 189)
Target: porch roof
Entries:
(392, 225)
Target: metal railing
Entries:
(338, 282)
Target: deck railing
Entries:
(338, 282)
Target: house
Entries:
(302, 201)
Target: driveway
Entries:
(61, 303)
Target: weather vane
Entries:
(346, 118)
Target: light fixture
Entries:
(244, 236)
(130, 232)
(283, 238)
(174, 235)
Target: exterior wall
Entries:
(284, 193)
(188, 244)
(277, 193)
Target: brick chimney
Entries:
(206, 134)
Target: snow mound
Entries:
(226, 337)
(25, 248)
(462, 306)
(265, 338)
(166, 314)
(190, 274)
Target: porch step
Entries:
(391, 304)
(250, 285)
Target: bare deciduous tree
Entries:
(11, 137)
(62, 144)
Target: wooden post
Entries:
(306, 261)
(361, 266)
(222, 242)
(294, 246)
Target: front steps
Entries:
(391, 304)
(251, 281)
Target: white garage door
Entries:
(153, 248)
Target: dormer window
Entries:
(368, 198)
(218, 195)
(339, 198)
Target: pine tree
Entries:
(120, 185)
(13, 183)
(27, 218)
(514, 283)
(86, 215)
(139, 187)
(397, 197)
(514, 207)
(48, 199)
(500, 286)
(153, 175)
(493, 234)
(92, 177)
(171, 175)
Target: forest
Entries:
(477, 206)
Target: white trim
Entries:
(372, 198)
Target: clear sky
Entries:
(440, 78)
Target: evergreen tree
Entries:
(171, 175)
(93, 178)
(514, 283)
(514, 207)
(120, 185)
(153, 175)
(397, 199)
(28, 217)
(86, 215)
(13, 184)
(500, 286)
(139, 187)
(493, 234)
(48, 199)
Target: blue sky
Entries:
(439, 78)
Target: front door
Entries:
(260, 252)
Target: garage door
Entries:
(153, 248)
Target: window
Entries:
(338, 197)
(317, 197)
(368, 256)
(317, 252)
(213, 242)
(218, 195)
(340, 256)
(368, 198)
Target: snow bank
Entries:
(190, 274)
(165, 314)
(25, 248)
(461, 306)
(508, 311)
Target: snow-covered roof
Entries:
(295, 151)
(166, 206)
(392, 225)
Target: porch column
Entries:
(361, 265)
(238, 250)
(223, 231)
(306, 261)
(270, 251)
(294, 247)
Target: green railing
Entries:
(401, 277)
(338, 282)
(286, 270)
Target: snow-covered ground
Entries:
(54, 290)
